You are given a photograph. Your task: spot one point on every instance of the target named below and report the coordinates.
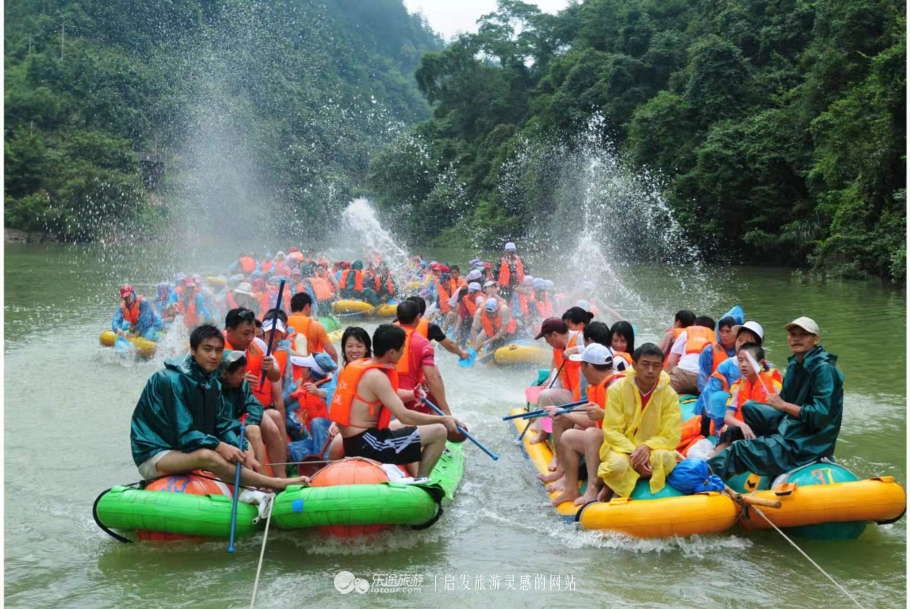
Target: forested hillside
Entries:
(104, 94)
(777, 126)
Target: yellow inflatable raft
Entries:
(413, 287)
(523, 354)
(143, 347)
(387, 310)
(216, 282)
(662, 517)
(352, 306)
(335, 337)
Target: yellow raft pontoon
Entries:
(523, 353)
(343, 307)
(143, 347)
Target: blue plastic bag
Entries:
(693, 476)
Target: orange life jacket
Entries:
(346, 392)
(132, 314)
(247, 264)
(625, 357)
(598, 393)
(301, 325)
(423, 327)
(377, 284)
(358, 280)
(697, 338)
(744, 390)
(469, 303)
(524, 304)
(719, 355)
(314, 406)
(505, 274)
(570, 376)
(254, 355)
(321, 288)
(545, 306)
(266, 266)
(262, 298)
(190, 316)
(491, 327)
(405, 364)
(442, 298)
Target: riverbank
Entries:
(14, 235)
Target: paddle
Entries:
(461, 429)
(268, 352)
(236, 492)
(472, 357)
(527, 415)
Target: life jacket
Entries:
(378, 287)
(262, 298)
(423, 327)
(719, 355)
(690, 433)
(570, 376)
(442, 298)
(266, 266)
(545, 306)
(624, 356)
(247, 264)
(254, 354)
(491, 327)
(358, 280)
(315, 406)
(505, 273)
(132, 314)
(321, 288)
(469, 303)
(524, 304)
(190, 316)
(697, 338)
(407, 367)
(346, 392)
(598, 393)
(744, 390)
(301, 325)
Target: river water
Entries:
(68, 406)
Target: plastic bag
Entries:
(693, 476)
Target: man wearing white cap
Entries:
(511, 270)
(492, 325)
(801, 424)
(579, 432)
(465, 311)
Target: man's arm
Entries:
(705, 362)
(117, 320)
(676, 352)
(382, 388)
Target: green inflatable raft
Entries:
(168, 507)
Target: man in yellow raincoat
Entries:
(642, 426)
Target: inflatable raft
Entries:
(352, 307)
(349, 497)
(389, 309)
(142, 346)
(819, 501)
(520, 353)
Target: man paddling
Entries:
(366, 400)
(182, 423)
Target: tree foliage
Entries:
(779, 125)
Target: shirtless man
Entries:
(367, 398)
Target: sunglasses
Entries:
(246, 315)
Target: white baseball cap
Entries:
(473, 287)
(489, 284)
(528, 281)
(270, 323)
(474, 274)
(491, 305)
(806, 324)
(510, 247)
(595, 353)
(755, 328)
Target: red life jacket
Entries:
(545, 306)
(406, 365)
(132, 314)
(346, 392)
(266, 266)
(442, 298)
(247, 264)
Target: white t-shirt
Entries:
(688, 362)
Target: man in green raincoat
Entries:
(182, 421)
(800, 425)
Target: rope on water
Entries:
(265, 538)
(841, 588)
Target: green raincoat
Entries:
(181, 408)
(786, 442)
(243, 402)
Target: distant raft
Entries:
(522, 353)
(348, 307)
(141, 346)
(389, 309)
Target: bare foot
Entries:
(589, 496)
(286, 482)
(551, 477)
(566, 495)
(605, 494)
(553, 464)
(557, 487)
(540, 437)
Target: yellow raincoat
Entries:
(625, 426)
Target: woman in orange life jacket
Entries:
(682, 365)
(755, 386)
(681, 321)
(356, 344)
(240, 335)
(622, 342)
(580, 432)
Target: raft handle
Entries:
(785, 489)
(119, 538)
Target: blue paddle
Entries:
(534, 413)
(472, 357)
(461, 429)
(237, 489)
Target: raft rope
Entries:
(265, 538)
(800, 550)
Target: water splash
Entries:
(365, 236)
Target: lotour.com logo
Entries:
(346, 582)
